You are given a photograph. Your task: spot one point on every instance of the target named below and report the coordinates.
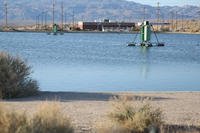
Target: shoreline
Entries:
(100, 32)
(93, 95)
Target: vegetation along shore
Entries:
(89, 112)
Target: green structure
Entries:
(145, 32)
(145, 35)
(55, 28)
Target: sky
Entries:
(169, 2)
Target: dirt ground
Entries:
(86, 110)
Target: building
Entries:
(106, 26)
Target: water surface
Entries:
(103, 62)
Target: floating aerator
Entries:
(145, 34)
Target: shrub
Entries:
(13, 122)
(15, 78)
(50, 119)
(134, 119)
(47, 119)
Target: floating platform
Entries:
(55, 33)
(145, 37)
(146, 44)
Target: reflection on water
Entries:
(145, 68)
(103, 62)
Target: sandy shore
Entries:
(87, 110)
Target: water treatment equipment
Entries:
(145, 33)
(146, 30)
(55, 29)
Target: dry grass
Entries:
(188, 26)
(50, 119)
(191, 26)
(13, 122)
(47, 119)
(127, 118)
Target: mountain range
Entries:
(25, 11)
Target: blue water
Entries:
(103, 62)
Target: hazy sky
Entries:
(169, 2)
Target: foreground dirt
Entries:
(88, 110)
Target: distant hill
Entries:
(25, 11)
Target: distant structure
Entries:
(42, 19)
(53, 13)
(65, 18)
(36, 22)
(176, 24)
(106, 25)
(172, 21)
(199, 17)
(144, 13)
(62, 19)
(62, 15)
(45, 23)
(73, 19)
(146, 29)
(182, 25)
(6, 13)
(158, 13)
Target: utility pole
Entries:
(45, 20)
(62, 15)
(42, 20)
(73, 19)
(176, 20)
(6, 13)
(36, 24)
(65, 18)
(182, 21)
(172, 21)
(39, 26)
(158, 13)
(199, 19)
(144, 11)
(53, 12)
